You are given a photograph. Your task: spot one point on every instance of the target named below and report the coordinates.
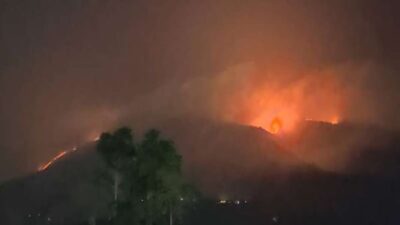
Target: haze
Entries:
(72, 69)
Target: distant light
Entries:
(48, 219)
(237, 202)
(275, 219)
(181, 199)
(222, 202)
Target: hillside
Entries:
(232, 162)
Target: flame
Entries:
(43, 167)
(276, 125)
(48, 164)
(93, 136)
(277, 102)
(334, 120)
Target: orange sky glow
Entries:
(277, 103)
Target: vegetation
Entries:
(148, 187)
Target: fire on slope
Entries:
(279, 103)
(49, 163)
(61, 155)
(334, 120)
(276, 125)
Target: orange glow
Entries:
(279, 99)
(93, 137)
(334, 120)
(48, 164)
(96, 138)
(276, 125)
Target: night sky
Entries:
(72, 69)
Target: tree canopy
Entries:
(148, 185)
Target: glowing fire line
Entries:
(48, 164)
(333, 121)
(60, 155)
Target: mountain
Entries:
(346, 147)
(280, 177)
(58, 195)
(221, 156)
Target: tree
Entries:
(118, 152)
(149, 188)
(159, 173)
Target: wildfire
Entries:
(279, 97)
(43, 167)
(334, 120)
(94, 136)
(48, 164)
(276, 125)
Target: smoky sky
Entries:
(70, 69)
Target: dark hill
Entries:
(233, 162)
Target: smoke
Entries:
(251, 94)
(73, 69)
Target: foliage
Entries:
(117, 149)
(148, 185)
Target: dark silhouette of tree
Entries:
(159, 173)
(118, 151)
(149, 188)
